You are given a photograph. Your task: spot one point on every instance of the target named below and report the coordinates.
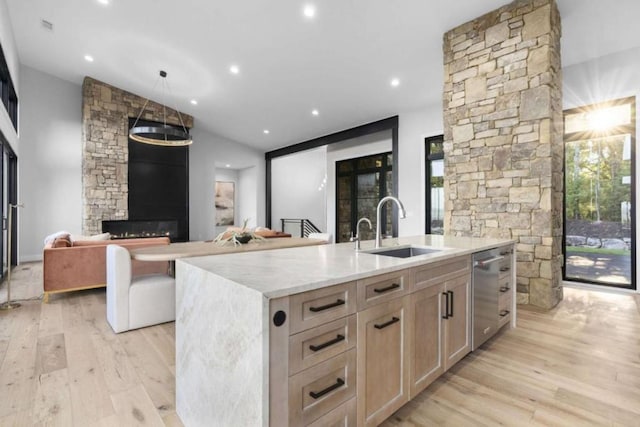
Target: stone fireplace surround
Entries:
(105, 127)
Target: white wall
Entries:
(298, 188)
(11, 56)
(50, 161)
(603, 79)
(207, 151)
(350, 149)
(249, 185)
(414, 127)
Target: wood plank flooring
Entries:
(576, 365)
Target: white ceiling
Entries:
(340, 62)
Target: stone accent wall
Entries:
(503, 138)
(105, 153)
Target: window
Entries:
(599, 242)
(8, 92)
(434, 196)
(361, 183)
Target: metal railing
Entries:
(305, 225)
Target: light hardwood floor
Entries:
(579, 364)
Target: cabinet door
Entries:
(457, 326)
(425, 338)
(383, 384)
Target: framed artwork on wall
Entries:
(224, 199)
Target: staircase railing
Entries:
(305, 225)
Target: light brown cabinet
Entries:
(354, 353)
(457, 319)
(426, 356)
(440, 329)
(382, 361)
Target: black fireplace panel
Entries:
(138, 229)
(159, 184)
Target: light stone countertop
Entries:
(282, 272)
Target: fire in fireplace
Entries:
(129, 229)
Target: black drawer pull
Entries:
(504, 289)
(451, 297)
(504, 313)
(505, 268)
(339, 383)
(319, 347)
(389, 323)
(327, 307)
(387, 289)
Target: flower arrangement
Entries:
(237, 237)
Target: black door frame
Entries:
(428, 158)
(390, 123)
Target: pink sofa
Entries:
(82, 264)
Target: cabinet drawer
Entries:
(343, 416)
(313, 308)
(504, 317)
(433, 274)
(382, 288)
(316, 345)
(320, 389)
(505, 298)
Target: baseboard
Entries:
(29, 258)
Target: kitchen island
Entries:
(321, 334)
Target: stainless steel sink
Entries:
(404, 251)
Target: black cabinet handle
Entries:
(389, 323)
(387, 289)
(504, 313)
(451, 294)
(328, 306)
(319, 347)
(505, 268)
(504, 289)
(339, 383)
(446, 305)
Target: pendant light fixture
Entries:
(164, 134)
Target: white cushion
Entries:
(80, 237)
(152, 300)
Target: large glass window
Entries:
(435, 185)
(7, 91)
(599, 193)
(361, 183)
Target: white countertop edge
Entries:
(239, 273)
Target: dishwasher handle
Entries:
(484, 262)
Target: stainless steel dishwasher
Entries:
(485, 291)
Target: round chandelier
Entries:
(162, 134)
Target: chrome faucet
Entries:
(356, 238)
(401, 212)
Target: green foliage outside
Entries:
(602, 251)
(594, 172)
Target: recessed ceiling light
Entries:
(194, 102)
(395, 82)
(227, 165)
(309, 11)
(105, 2)
(266, 131)
(234, 69)
(315, 112)
(88, 58)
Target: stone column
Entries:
(105, 149)
(503, 138)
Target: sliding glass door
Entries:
(600, 194)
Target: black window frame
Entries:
(7, 91)
(428, 158)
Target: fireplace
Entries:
(138, 229)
